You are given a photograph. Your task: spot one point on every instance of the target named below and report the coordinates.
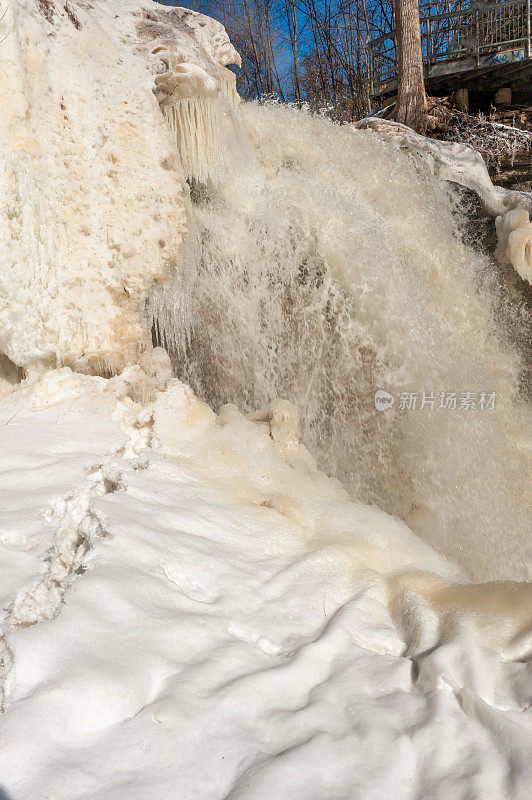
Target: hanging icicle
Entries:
(197, 123)
(202, 110)
(228, 90)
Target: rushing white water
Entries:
(330, 266)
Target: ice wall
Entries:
(91, 186)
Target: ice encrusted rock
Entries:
(514, 235)
(91, 185)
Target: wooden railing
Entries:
(487, 34)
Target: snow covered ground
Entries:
(194, 611)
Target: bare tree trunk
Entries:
(411, 105)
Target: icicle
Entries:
(206, 128)
(227, 82)
(169, 308)
(197, 124)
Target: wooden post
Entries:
(462, 100)
(528, 52)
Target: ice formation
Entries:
(200, 106)
(514, 234)
(461, 164)
(91, 191)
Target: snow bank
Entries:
(91, 187)
(463, 165)
(231, 625)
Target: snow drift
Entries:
(230, 624)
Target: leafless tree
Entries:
(315, 51)
(411, 105)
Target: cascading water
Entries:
(329, 265)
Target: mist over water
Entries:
(330, 265)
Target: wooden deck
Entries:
(485, 47)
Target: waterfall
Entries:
(329, 265)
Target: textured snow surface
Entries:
(228, 624)
(91, 185)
